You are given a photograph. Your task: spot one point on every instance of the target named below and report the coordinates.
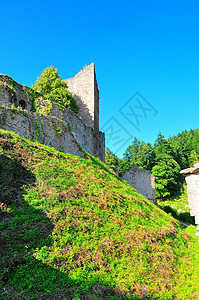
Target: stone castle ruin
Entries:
(30, 115)
(33, 117)
(192, 180)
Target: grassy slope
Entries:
(178, 208)
(70, 229)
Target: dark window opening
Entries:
(22, 103)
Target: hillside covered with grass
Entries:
(178, 207)
(71, 229)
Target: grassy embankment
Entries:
(70, 229)
(178, 208)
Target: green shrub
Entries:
(54, 89)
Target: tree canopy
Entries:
(50, 84)
(164, 159)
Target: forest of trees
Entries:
(164, 159)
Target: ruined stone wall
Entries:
(84, 126)
(141, 180)
(83, 134)
(13, 93)
(192, 180)
(44, 129)
(84, 88)
(102, 146)
(96, 114)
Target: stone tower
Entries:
(85, 90)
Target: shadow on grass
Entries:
(184, 217)
(23, 228)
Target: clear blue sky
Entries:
(150, 47)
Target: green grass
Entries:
(178, 208)
(71, 229)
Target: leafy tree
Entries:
(186, 147)
(121, 166)
(194, 151)
(140, 154)
(161, 145)
(168, 181)
(115, 163)
(111, 160)
(50, 84)
(181, 150)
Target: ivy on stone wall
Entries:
(36, 128)
(4, 117)
(7, 85)
(58, 130)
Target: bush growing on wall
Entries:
(50, 84)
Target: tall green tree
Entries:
(162, 145)
(50, 84)
(115, 163)
(168, 181)
(140, 154)
(111, 159)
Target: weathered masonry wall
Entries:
(141, 180)
(101, 146)
(44, 129)
(13, 95)
(192, 180)
(83, 134)
(84, 88)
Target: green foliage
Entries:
(72, 229)
(69, 127)
(140, 154)
(116, 164)
(165, 158)
(186, 147)
(178, 207)
(111, 160)
(166, 170)
(4, 117)
(8, 85)
(167, 177)
(54, 89)
(58, 130)
(34, 96)
(11, 81)
(36, 128)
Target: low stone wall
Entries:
(141, 180)
(192, 180)
(47, 130)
